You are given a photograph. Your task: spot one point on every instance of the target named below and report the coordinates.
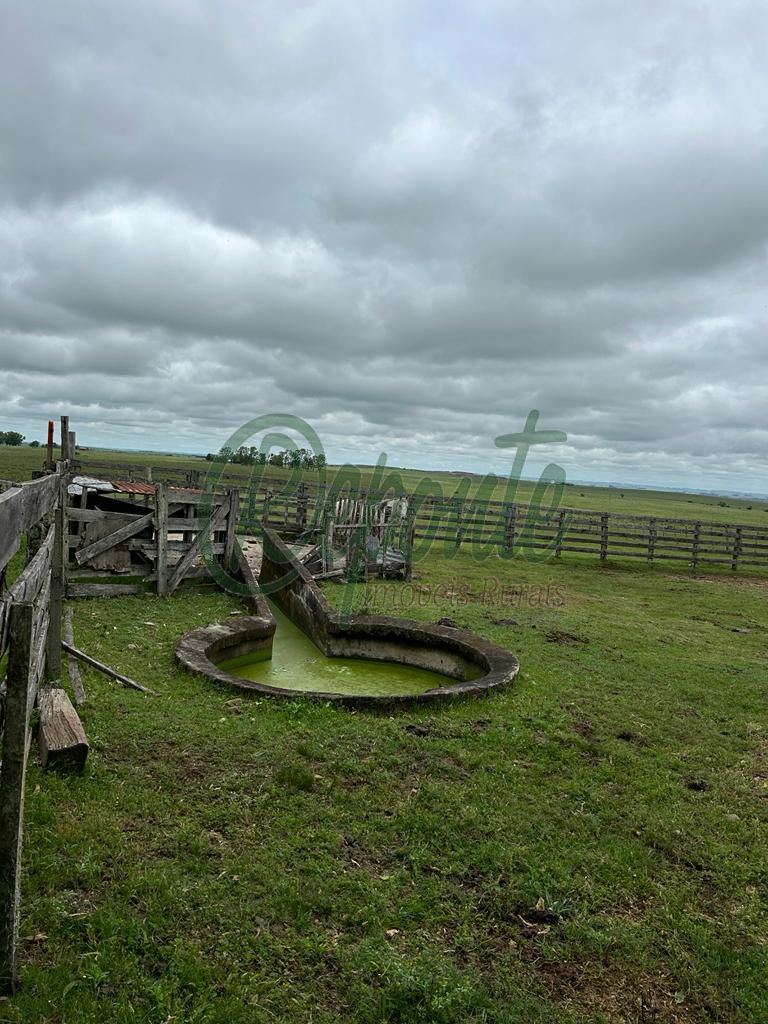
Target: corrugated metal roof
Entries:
(132, 487)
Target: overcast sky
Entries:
(407, 222)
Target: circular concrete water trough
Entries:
(460, 663)
(450, 655)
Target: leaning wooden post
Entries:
(161, 538)
(15, 749)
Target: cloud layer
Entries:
(406, 223)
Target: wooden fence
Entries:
(30, 635)
(164, 541)
(488, 525)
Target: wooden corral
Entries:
(508, 527)
(156, 535)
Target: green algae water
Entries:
(296, 664)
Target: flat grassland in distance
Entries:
(18, 464)
(586, 846)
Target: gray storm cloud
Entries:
(407, 223)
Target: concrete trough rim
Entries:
(195, 649)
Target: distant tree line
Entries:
(299, 458)
(12, 437)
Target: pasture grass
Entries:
(18, 463)
(586, 846)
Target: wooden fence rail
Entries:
(537, 532)
(163, 545)
(30, 624)
(513, 528)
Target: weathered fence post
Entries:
(603, 536)
(560, 533)
(49, 455)
(15, 748)
(695, 545)
(232, 516)
(53, 651)
(265, 508)
(64, 438)
(409, 551)
(301, 508)
(651, 538)
(328, 543)
(509, 529)
(736, 549)
(161, 538)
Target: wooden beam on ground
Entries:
(61, 738)
(74, 670)
(88, 660)
(104, 589)
(117, 537)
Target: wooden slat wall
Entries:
(165, 559)
(28, 626)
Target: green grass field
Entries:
(586, 846)
(18, 464)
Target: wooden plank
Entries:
(149, 547)
(94, 515)
(21, 508)
(15, 750)
(74, 670)
(185, 562)
(76, 590)
(88, 660)
(161, 538)
(80, 575)
(39, 634)
(121, 534)
(28, 585)
(57, 589)
(232, 516)
(61, 738)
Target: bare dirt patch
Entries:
(559, 636)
